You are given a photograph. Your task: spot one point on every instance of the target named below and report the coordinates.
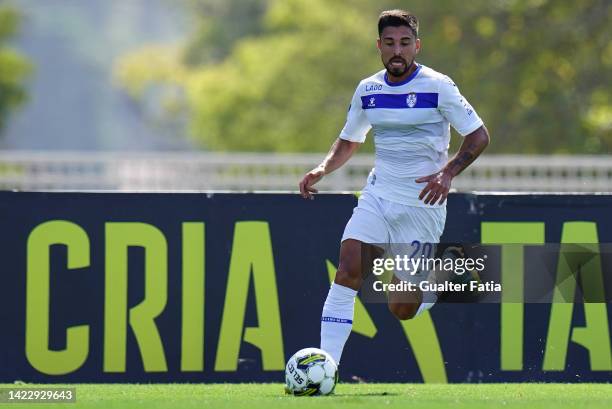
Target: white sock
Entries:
(429, 300)
(424, 307)
(337, 319)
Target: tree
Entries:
(289, 89)
(536, 71)
(14, 68)
(219, 25)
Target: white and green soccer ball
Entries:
(310, 371)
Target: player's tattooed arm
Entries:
(470, 149)
(439, 183)
(340, 152)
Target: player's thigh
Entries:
(367, 223)
(414, 235)
(421, 224)
(364, 235)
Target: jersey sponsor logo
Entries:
(400, 101)
(373, 87)
(411, 100)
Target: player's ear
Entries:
(418, 45)
(378, 43)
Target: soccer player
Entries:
(410, 108)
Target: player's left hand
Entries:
(438, 185)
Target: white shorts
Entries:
(387, 224)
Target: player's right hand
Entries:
(312, 177)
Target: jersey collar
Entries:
(406, 81)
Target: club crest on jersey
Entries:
(372, 102)
(411, 100)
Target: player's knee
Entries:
(403, 311)
(349, 268)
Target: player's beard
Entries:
(398, 72)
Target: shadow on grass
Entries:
(365, 394)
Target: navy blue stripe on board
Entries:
(397, 101)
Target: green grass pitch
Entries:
(401, 396)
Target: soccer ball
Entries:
(310, 371)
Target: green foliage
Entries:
(537, 71)
(287, 90)
(13, 67)
(220, 24)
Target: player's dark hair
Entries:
(396, 18)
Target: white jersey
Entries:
(411, 121)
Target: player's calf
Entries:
(404, 305)
(404, 311)
(338, 310)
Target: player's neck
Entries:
(404, 76)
